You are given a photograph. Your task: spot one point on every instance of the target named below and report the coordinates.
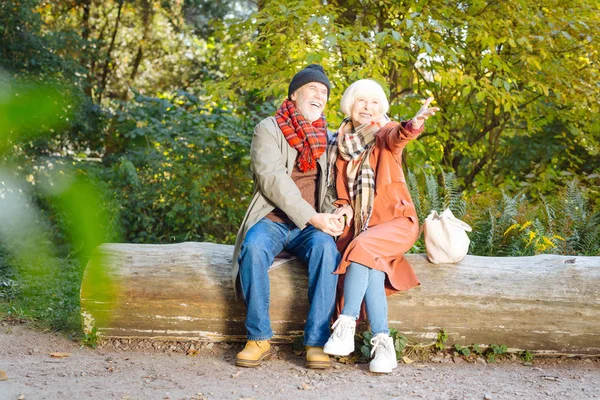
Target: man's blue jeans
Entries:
(315, 248)
(362, 282)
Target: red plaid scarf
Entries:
(309, 139)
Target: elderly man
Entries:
(288, 212)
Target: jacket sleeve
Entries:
(270, 173)
(329, 204)
(402, 133)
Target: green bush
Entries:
(505, 225)
(185, 175)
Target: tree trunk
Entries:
(106, 69)
(544, 303)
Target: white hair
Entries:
(364, 88)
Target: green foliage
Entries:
(498, 349)
(505, 74)
(477, 349)
(186, 175)
(442, 337)
(441, 191)
(515, 226)
(462, 350)
(491, 352)
(495, 350)
(52, 301)
(526, 356)
(37, 203)
(151, 104)
(365, 348)
(27, 47)
(91, 339)
(400, 342)
(505, 225)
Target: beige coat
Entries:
(272, 162)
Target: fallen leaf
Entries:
(59, 355)
(348, 360)
(3, 376)
(407, 360)
(305, 386)
(192, 352)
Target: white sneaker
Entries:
(341, 341)
(383, 353)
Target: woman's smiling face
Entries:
(365, 109)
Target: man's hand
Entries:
(331, 224)
(424, 112)
(345, 211)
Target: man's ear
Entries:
(293, 97)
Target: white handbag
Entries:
(446, 237)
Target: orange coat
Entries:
(394, 226)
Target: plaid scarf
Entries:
(356, 146)
(310, 139)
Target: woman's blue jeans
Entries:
(360, 283)
(315, 248)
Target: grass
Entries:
(50, 304)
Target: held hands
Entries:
(424, 112)
(331, 224)
(345, 213)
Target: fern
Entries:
(575, 207)
(513, 225)
(589, 242)
(577, 228)
(509, 210)
(415, 193)
(452, 195)
(433, 190)
(549, 215)
(491, 232)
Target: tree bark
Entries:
(103, 79)
(545, 303)
(146, 14)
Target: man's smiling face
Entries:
(310, 100)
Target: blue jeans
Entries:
(315, 248)
(360, 283)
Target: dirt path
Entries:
(111, 373)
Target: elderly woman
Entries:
(381, 220)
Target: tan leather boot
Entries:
(254, 353)
(316, 358)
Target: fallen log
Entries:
(545, 303)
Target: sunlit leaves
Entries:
(494, 68)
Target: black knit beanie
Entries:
(312, 73)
